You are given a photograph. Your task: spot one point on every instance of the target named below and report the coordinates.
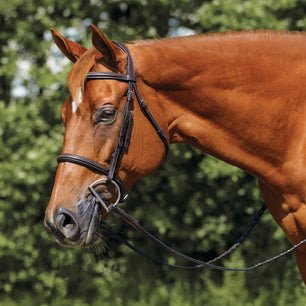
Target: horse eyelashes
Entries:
(106, 115)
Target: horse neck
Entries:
(227, 96)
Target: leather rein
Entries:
(112, 177)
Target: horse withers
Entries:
(237, 96)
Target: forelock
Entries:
(79, 71)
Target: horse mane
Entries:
(78, 73)
(229, 34)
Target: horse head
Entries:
(93, 115)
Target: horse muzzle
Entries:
(81, 228)
(75, 229)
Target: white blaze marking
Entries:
(78, 101)
(74, 106)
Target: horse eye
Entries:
(106, 115)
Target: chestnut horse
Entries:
(237, 96)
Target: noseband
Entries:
(125, 130)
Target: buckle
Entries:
(92, 187)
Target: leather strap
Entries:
(97, 75)
(93, 166)
(199, 263)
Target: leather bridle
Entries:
(125, 130)
(113, 178)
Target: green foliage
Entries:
(245, 15)
(231, 292)
(195, 203)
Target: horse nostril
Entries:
(68, 225)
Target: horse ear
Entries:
(108, 49)
(70, 49)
